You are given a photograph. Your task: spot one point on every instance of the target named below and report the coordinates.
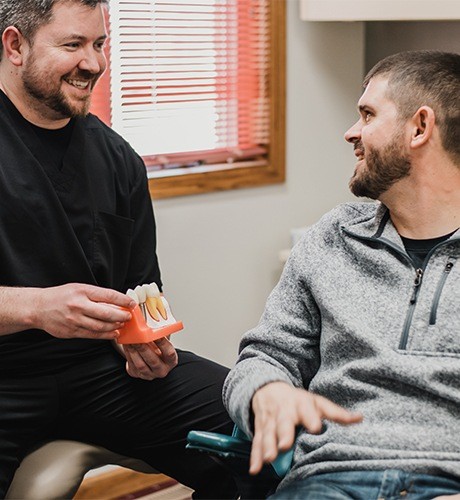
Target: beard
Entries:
(383, 167)
(49, 97)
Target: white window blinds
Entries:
(189, 79)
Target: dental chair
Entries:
(233, 452)
(55, 470)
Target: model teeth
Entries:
(154, 302)
(155, 306)
(133, 295)
(141, 295)
(152, 290)
(149, 296)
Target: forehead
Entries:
(70, 17)
(376, 94)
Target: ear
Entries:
(422, 126)
(13, 45)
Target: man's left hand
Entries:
(150, 361)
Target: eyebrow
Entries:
(82, 38)
(364, 107)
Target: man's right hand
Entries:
(79, 311)
(278, 409)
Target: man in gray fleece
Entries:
(356, 359)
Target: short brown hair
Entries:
(29, 15)
(431, 78)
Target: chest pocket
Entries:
(440, 289)
(112, 249)
(438, 331)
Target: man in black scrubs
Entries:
(76, 231)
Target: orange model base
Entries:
(136, 331)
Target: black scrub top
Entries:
(79, 212)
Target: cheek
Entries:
(377, 134)
(370, 142)
(103, 62)
(368, 135)
(61, 65)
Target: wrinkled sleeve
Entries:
(284, 346)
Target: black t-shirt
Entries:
(52, 146)
(56, 142)
(419, 249)
(74, 207)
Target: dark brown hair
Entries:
(426, 78)
(29, 15)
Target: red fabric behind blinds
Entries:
(238, 86)
(100, 101)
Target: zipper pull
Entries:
(417, 283)
(448, 267)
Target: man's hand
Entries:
(152, 360)
(278, 408)
(80, 311)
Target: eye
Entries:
(99, 46)
(72, 45)
(367, 115)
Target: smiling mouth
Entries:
(359, 153)
(79, 84)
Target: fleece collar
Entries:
(375, 224)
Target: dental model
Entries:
(151, 319)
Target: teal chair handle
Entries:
(236, 446)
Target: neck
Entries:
(426, 210)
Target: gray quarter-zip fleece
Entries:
(352, 319)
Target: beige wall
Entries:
(385, 38)
(219, 252)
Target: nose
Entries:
(353, 134)
(93, 61)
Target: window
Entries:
(197, 88)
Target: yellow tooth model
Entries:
(151, 319)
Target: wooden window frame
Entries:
(220, 177)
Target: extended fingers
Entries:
(273, 433)
(314, 408)
(257, 453)
(286, 434)
(100, 321)
(274, 426)
(107, 313)
(271, 405)
(94, 303)
(77, 324)
(336, 413)
(279, 409)
(92, 328)
(109, 296)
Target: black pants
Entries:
(95, 401)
